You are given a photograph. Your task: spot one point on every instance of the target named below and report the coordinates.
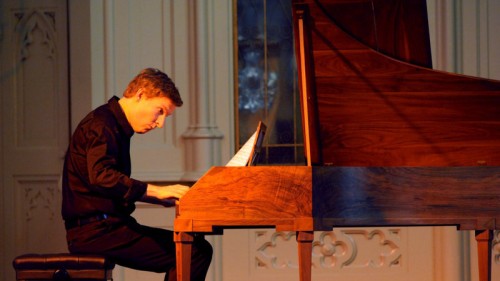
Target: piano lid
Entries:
(362, 107)
(397, 28)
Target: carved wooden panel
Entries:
(345, 253)
(40, 226)
(495, 268)
(382, 249)
(37, 86)
(34, 124)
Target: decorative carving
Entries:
(40, 196)
(270, 252)
(386, 247)
(38, 86)
(31, 22)
(39, 224)
(327, 250)
(496, 247)
(332, 250)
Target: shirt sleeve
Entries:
(105, 167)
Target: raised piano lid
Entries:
(364, 108)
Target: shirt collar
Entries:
(120, 116)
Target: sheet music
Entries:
(242, 157)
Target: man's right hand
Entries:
(164, 195)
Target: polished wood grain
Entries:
(238, 197)
(290, 197)
(248, 196)
(373, 109)
(393, 27)
(466, 197)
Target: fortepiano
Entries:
(388, 140)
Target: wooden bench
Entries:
(63, 267)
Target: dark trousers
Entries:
(136, 246)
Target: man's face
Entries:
(150, 113)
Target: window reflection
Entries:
(254, 93)
(267, 79)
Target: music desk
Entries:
(305, 199)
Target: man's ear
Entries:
(139, 94)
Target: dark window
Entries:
(267, 80)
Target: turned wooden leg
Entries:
(484, 240)
(304, 240)
(183, 245)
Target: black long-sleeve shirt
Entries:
(96, 173)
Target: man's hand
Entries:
(164, 195)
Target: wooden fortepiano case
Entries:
(388, 140)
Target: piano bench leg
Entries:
(484, 240)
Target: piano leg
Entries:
(183, 245)
(304, 240)
(484, 240)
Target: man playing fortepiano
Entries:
(99, 195)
